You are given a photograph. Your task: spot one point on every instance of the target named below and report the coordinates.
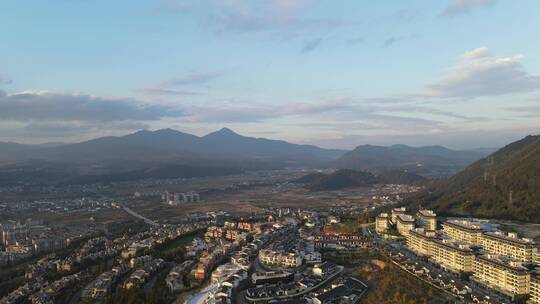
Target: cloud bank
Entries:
(481, 74)
(43, 106)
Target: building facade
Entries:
(505, 275)
(427, 219)
(405, 223)
(463, 231)
(382, 223)
(396, 212)
(281, 259)
(420, 241)
(452, 256)
(498, 243)
(534, 289)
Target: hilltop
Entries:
(345, 178)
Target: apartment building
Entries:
(468, 232)
(419, 241)
(427, 219)
(504, 274)
(382, 223)
(501, 268)
(405, 223)
(338, 241)
(534, 289)
(396, 212)
(452, 256)
(499, 243)
(282, 259)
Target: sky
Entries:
(459, 73)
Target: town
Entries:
(274, 256)
(254, 260)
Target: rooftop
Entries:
(504, 261)
(405, 218)
(510, 237)
(464, 224)
(399, 210)
(463, 248)
(423, 233)
(427, 213)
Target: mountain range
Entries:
(429, 161)
(167, 145)
(148, 154)
(506, 184)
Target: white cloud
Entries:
(481, 74)
(477, 53)
(459, 7)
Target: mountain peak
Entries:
(226, 130)
(223, 132)
(167, 131)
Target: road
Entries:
(135, 214)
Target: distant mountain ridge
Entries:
(157, 154)
(168, 144)
(430, 161)
(506, 184)
(345, 178)
(130, 156)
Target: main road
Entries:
(135, 214)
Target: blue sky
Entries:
(461, 73)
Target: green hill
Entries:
(345, 178)
(504, 185)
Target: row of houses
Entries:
(280, 258)
(144, 270)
